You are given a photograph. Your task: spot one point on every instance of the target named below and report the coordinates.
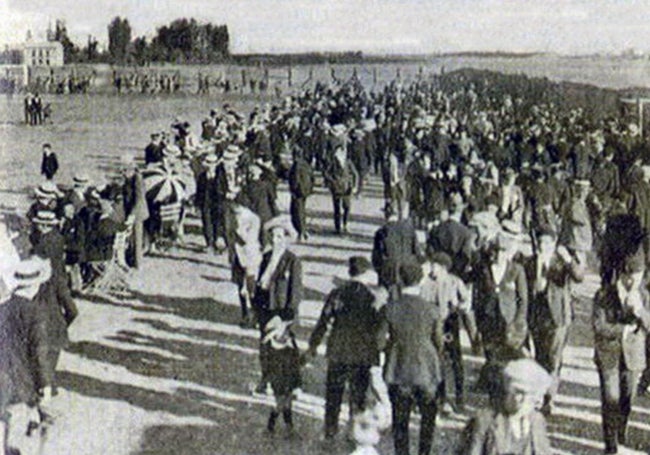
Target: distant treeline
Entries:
(181, 41)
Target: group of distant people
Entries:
(226, 85)
(146, 83)
(63, 84)
(36, 111)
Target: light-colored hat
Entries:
(277, 333)
(80, 179)
(527, 376)
(284, 222)
(46, 217)
(32, 272)
(210, 158)
(47, 190)
(231, 153)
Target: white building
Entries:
(44, 53)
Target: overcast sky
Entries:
(372, 26)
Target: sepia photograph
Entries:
(313, 227)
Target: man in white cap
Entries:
(512, 425)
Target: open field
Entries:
(167, 369)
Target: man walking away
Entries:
(352, 349)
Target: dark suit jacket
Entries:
(413, 359)
(549, 308)
(454, 239)
(285, 290)
(609, 320)
(74, 235)
(100, 239)
(301, 179)
(395, 244)
(48, 316)
(350, 311)
(51, 245)
(501, 308)
(341, 179)
(49, 165)
(210, 192)
(259, 196)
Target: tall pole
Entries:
(639, 107)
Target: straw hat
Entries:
(32, 272)
(47, 190)
(80, 179)
(284, 222)
(232, 153)
(210, 159)
(45, 217)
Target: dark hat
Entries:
(358, 265)
(410, 274)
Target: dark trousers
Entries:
(549, 345)
(454, 358)
(210, 232)
(618, 388)
(341, 211)
(298, 211)
(358, 378)
(402, 402)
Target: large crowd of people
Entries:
(514, 191)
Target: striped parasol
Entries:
(163, 184)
